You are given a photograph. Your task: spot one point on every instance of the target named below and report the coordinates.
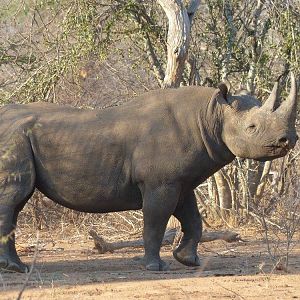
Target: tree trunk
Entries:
(180, 19)
(224, 193)
(254, 175)
(231, 36)
(256, 50)
(263, 180)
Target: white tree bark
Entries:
(263, 180)
(180, 19)
(225, 199)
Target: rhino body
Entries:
(149, 154)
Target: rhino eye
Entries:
(251, 128)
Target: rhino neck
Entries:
(210, 122)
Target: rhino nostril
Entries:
(283, 141)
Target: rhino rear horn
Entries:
(289, 106)
(272, 102)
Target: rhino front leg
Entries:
(158, 205)
(191, 225)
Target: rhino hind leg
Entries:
(17, 179)
(191, 224)
(9, 260)
(158, 205)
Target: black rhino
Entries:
(148, 154)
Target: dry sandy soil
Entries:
(73, 270)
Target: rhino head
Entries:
(261, 132)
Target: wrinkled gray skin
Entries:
(149, 153)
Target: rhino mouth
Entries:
(273, 151)
(278, 151)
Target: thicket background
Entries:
(101, 53)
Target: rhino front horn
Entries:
(272, 102)
(289, 106)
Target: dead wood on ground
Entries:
(171, 237)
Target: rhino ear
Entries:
(224, 90)
(218, 97)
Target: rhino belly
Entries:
(98, 199)
(88, 189)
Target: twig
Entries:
(229, 290)
(31, 268)
(266, 220)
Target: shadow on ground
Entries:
(75, 264)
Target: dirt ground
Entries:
(73, 270)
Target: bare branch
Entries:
(170, 236)
(230, 38)
(156, 65)
(192, 8)
(31, 267)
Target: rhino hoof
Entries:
(11, 266)
(188, 260)
(157, 266)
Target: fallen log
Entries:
(171, 237)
